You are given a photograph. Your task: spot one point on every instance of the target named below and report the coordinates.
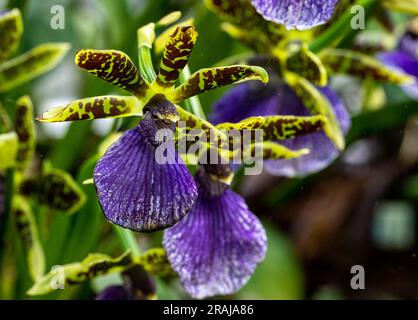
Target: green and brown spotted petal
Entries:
(95, 108)
(30, 65)
(114, 67)
(55, 189)
(407, 6)
(271, 151)
(11, 29)
(288, 127)
(317, 104)
(163, 38)
(302, 61)
(263, 33)
(93, 265)
(5, 122)
(176, 55)
(211, 78)
(246, 124)
(360, 65)
(28, 233)
(188, 121)
(24, 127)
(9, 144)
(155, 262)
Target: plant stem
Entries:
(127, 240)
(338, 31)
(146, 67)
(192, 104)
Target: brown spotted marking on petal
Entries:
(112, 66)
(211, 78)
(176, 55)
(11, 29)
(288, 127)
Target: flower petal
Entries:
(138, 193)
(11, 29)
(212, 78)
(251, 99)
(116, 292)
(406, 63)
(216, 248)
(31, 64)
(25, 129)
(176, 55)
(299, 14)
(94, 108)
(114, 67)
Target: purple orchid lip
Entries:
(137, 192)
(296, 14)
(216, 248)
(277, 98)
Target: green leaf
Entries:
(176, 55)
(56, 189)
(114, 67)
(9, 144)
(93, 265)
(30, 65)
(360, 65)
(11, 29)
(317, 105)
(211, 78)
(29, 237)
(24, 127)
(95, 108)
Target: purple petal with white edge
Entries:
(409, 44)
(249, 100)
(406, 63)
(296, 14)
(137, 192)
(216, 248)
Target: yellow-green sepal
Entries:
(302, 61)
(27, 231)
(361, 65)
(25, 129)
(11, 29)
(163, 38)
(155, 262)
(268, 150)
(9, 144)
(95, 108)
(31, 64)
(93, 265)
(317, 104)
(211, 78)
(114, 67)
(55, 189)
